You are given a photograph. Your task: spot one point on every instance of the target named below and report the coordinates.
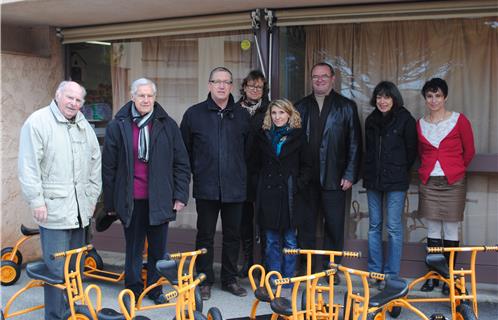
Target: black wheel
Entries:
(303, 300)
(465, 312)
(214, 314)
(93, 260)
(81, 313)
(199, 304)
(350, 309)
(10, 272)
(395, 312)
(7, 255)
(197, 316)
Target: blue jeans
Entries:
(395, 201)
(275, 259)
(53, 241)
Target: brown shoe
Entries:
(235, 289)
(205, 292)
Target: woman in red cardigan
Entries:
(446, 147)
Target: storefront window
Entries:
(408, 53)
(180, 67)
(89, 65)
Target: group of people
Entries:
(273, 162)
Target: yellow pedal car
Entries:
(323, 304)
(12, 257)
(286, 308)
(181, 297)
(463, 301)
(361, 305)
(71, 284)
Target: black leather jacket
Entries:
(341, 145)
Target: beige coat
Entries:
(59, 166)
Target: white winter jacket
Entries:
(59, 166)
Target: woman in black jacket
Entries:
(254, 99)
(391, 143)
(281, 160)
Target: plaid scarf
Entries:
(143, 135)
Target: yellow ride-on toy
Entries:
(323, 288)
(181, 297)
(463, 302)
(94, 268)
(180, 276)
(262, 294)
(284, 308)
(71, 284)
(12, 257)
(366, 307)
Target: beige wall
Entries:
(28, 83)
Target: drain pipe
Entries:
(255, 22)
(270, 19)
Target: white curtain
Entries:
(463, 52)
(180, 66)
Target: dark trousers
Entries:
(247, 223)
(135, 235)
(334, 212)
(332, 205)
(207, 216)
(307, 231)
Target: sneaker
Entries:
(235, 289)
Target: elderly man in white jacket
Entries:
(59, 170)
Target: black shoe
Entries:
(205, 292)
(104, 221)
(446, 289)
(235, 289)
(429, 285)
(159, 299)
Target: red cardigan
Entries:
(455, 152)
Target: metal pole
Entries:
(255, 27)
(270, 20)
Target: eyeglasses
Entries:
(321, 77)
(219, 82)
(257, 88)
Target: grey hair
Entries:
(142, 82)
(220, 69)
(63, 84)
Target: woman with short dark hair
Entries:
(391, 149)
(446, 148)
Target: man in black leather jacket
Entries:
(333, 130)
